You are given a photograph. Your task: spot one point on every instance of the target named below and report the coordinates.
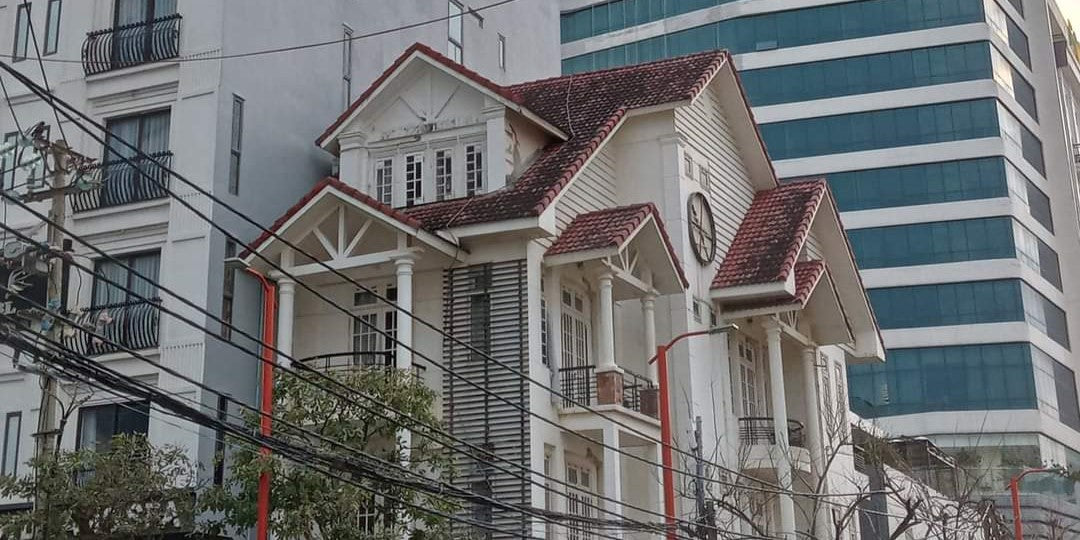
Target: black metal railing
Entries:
(131, 44)
(130, 325)
(633, 384)
(578, 384)
(366, 360)
(760, 430)
(121, 182)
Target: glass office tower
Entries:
(947, 130)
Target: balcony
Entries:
(128, 325)
(120, 182)
(761, 430)
(377, 361)
(131, 45)
(580, 385)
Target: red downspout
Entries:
(266, 403)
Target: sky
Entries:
(1071, 10)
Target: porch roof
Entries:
(609, 232)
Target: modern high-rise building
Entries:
(947, 130)
(193, 85)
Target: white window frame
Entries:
(475, 178)
(576, 328)
(749, 371)
(502, 52)
(455, 46)
(377, 312)
(581, 499)
(443, 175)
(414, 187)
(383, 178)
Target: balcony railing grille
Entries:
(131, 44)
(760, 430)
(128, 325)
(363, 360)
(121, 182)
(579, 385)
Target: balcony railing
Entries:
(130, 325)
(366, 361)
(760, 430)
(131, 44)
(579, 385)
(121, 182)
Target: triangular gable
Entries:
(308, 213)
(422, 53)
(608, 233)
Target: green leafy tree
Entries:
(309, 502)
(129, 490)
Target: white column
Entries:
(403, 268)
(780, 424)
(648, 315)
(605, 335)
(813, 435)
(553, 297)
(612, 472)
(286, 301)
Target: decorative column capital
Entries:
(771, 326)
(404, 263)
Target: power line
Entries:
(53, 100)
(41, 66)
(290, 48)
(453, 490)
(104, 278)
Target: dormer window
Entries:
(474, 169)
(384, 180)
(452, 168)
(414, 179)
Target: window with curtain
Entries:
(98, 425)
(107, 294)
(127, 177)
(136, 46)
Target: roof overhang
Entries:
(419, 53)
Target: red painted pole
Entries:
(665, 440)
(266, 404)
(1018, 526)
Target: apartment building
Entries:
(165, 76)
(947, 131)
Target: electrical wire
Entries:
(291, 48)
(41, 66)
(444, 488)
(53, 100)
(527, 472)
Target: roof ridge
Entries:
(719, 53)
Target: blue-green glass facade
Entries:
(934, 243)
(820, 24)
(947, 304)
(607, 17)
(927, 183)
(887, 128)
(957, 378)
(869, 73)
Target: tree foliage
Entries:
(131, 489)
(308, 502)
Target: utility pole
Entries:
(705, 510)
(45, 437)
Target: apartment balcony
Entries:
(369, 362)
(118, 183)
(581, 385)
(760, 452)
(131, 45)
(127, 325)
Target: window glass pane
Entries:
(22, 32)
(954, 378)
(933, 243)
(793, 28)
(12, 429)
(52, 27)
(947, 304)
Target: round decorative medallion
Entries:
(702, 228)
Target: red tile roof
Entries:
(771, 235)
(586, 106)
(612, 227)
(807, 276)
(329, 182)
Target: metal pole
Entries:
(45, 437)
(266, 403)
(665, 442)
(1014, 488)
(699, 478)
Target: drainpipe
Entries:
(266, 401)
